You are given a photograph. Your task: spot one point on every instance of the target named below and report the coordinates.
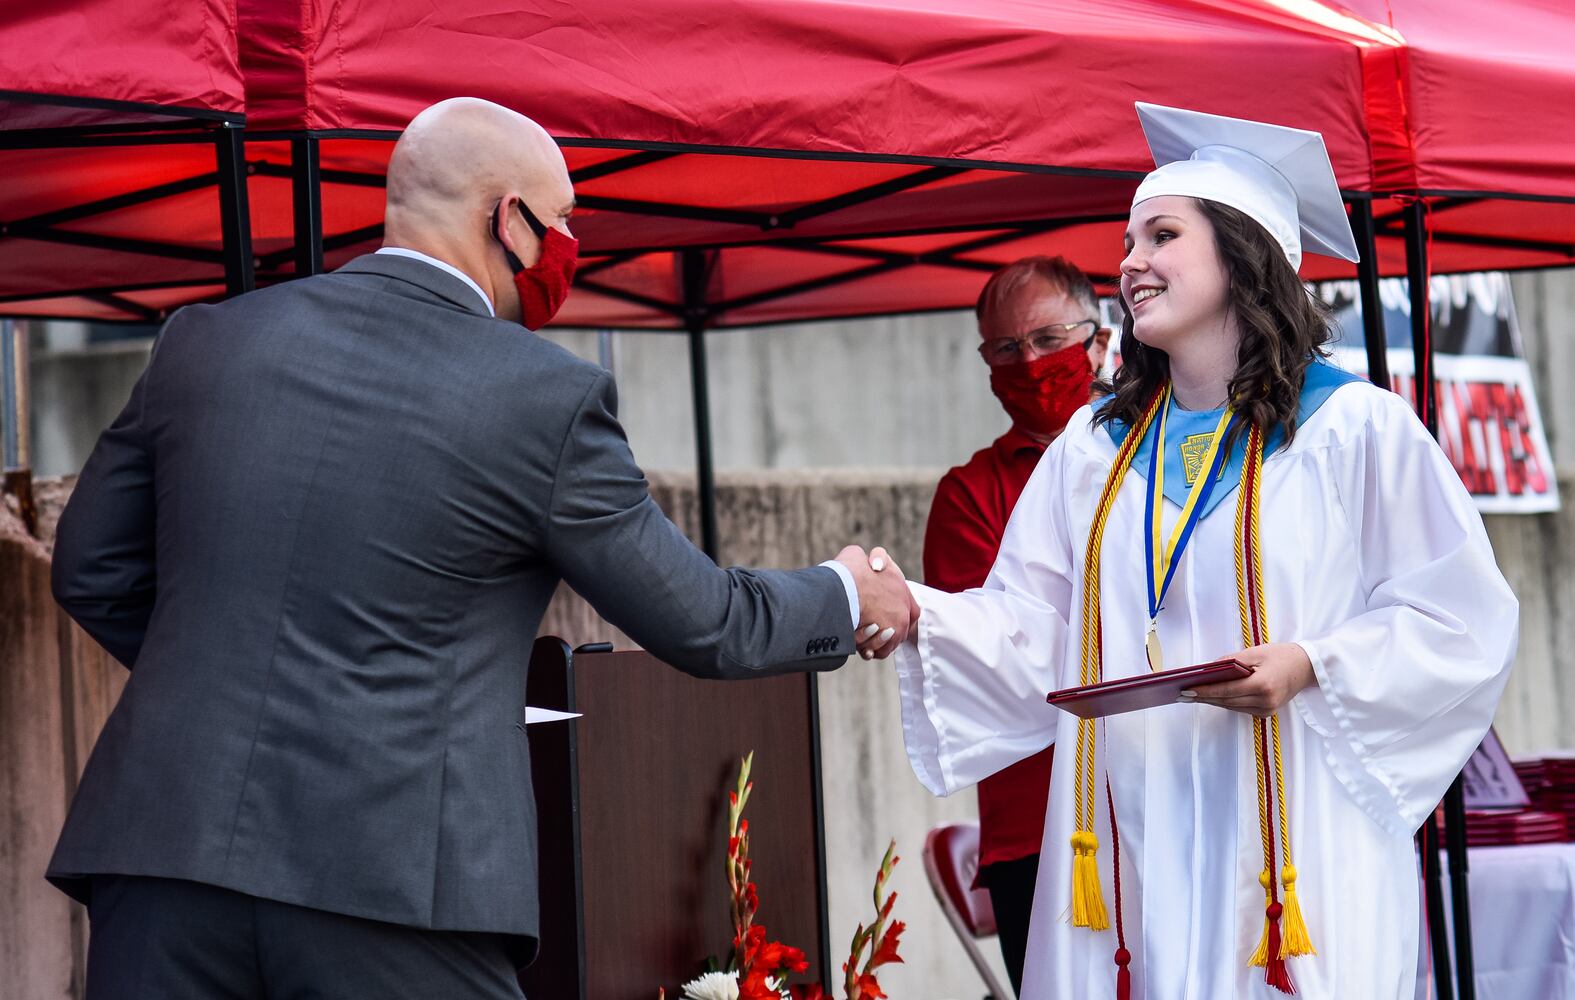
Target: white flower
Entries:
(713, 986)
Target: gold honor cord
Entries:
(1088, 905)
(1164, 555)
(1088, 908)
(1284, 927)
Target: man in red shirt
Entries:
(1041, 340)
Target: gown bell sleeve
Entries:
(973, 675)
(1407, 689)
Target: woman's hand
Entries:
(1280, 671)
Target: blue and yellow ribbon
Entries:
(1163, 557)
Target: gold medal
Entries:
(1156, 656)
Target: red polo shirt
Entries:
(967, 519)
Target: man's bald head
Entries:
(454, 165)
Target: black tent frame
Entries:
(126, 123)
(130, 123)
(696, 314)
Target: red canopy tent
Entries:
(1481, 94)
(918, 135)
(1485, 89)
(120, 147)
(935, 144)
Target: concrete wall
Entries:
(76, 393)
(1545, 303)
(905, 391)
(1537, 552)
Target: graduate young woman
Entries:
(1234, 495)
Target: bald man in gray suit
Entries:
(323, 534)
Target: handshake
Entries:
(887, 610)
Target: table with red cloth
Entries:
(967, 519)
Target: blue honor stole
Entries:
(1196, 474)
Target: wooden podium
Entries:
(631, 808)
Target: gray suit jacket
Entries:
(323, 533)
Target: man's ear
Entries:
(500, 215)
(1100, 348)
(521, 253)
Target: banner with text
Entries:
(1488, 421)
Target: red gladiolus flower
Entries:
(775, 955)
(886, 951)
(891, 901)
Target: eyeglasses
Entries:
(1009, 350)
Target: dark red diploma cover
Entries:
(1149, 690)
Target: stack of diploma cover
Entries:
(1550, 781)
(1146, 690)
(1500, 809)
(1502, 829)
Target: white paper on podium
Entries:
(534, 715)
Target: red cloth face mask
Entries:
(1041, 395)
(544, 285)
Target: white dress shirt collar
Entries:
(444, 266)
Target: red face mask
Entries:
(1041, 395)
(544, 285)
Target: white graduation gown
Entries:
(1375, 561)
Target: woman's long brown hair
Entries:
(1283, 330)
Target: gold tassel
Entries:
(1088, 900)
(1294, 939)
(1260, 957)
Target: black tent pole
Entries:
(695, 277)
(1433, 893)
(1459, 889)
(234, 210)
(306, 185)
(1378, 360)
(1427, 409)
(1421, 340)
(1372, 307)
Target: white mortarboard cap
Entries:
(1278, 176)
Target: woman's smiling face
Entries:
(1172, 280)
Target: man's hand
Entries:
(887, 609)
(1280, 671)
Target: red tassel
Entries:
(1276, 974)
(1123, 974)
